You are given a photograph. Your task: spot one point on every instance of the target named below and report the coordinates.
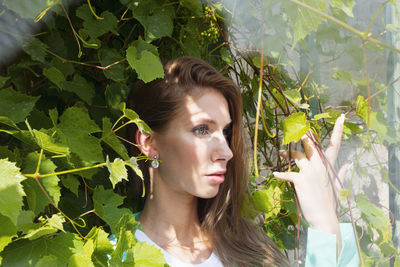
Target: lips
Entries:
(216, 177)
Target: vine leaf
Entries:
(83, 258)
(46, 227)
(80, 87)
(117, 171)
(14, 105)
(133, 116)
(36, 199)
(94, 27)
(304, 21)
(55, 76)
(147, 65)
(102, 246)
(113, 141)
(148, 255)
(72, 183)
(47, 143)
(124, 230)
(11, 190)
(345, 5)
(7, 231)
(28, 9)
(374, 216)
(264, 200)
(106, 204)
(77, 137)
(56, 251)
(294, 127)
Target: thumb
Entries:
(286, 176)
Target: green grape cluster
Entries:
(210, 33)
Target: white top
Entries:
(212, 261)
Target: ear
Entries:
(145, 142)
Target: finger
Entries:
(299, 157)
(339, 182)
(336, 138)
(310, 148)
(286, 176)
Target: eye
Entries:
(201, 130)
(228, 133)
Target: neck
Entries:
(175, 212)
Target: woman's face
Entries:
(193, 149)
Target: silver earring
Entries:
(155, 163)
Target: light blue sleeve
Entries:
(321, 248)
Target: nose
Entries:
(222, 151)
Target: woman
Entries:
(197, 180)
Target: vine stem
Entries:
(51, 201)
(364, 35)
(73, 31)
(37, 175)
(258, 110)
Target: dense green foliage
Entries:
(64, 161)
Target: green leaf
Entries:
(36, 198)
(194, 6)
(321, 116)
(148, 66)
(28, 9)
(55, 76)
(133, 116)
(80, 87)
(117, 171)
(341, 75)
(84, 258)
(293, 95)
(264, 200)
(95, 27)
(294, 127)
(77, 137)
(135, 167)
(148, 255)
(7, 231)
(362, 108)
(373, 214)
(72, 183)
(47, 143)
(3, 80)
(115, 95)
(28, 253)
(25, 221)
(109, 56)
(344, 194)
(11, 191)
(113, 141)
(14, 105)
(102, 246)
(345, 5)
(106, 204)
(156, 22)
(48, 226)
(304, 20)
(123, 253)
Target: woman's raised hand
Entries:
(313, 183)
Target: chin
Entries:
(209, 194)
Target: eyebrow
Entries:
(211, 121)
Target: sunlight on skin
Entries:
(194, 154)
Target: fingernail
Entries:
(275, 173)
(281, 150)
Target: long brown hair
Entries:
(236, 240)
